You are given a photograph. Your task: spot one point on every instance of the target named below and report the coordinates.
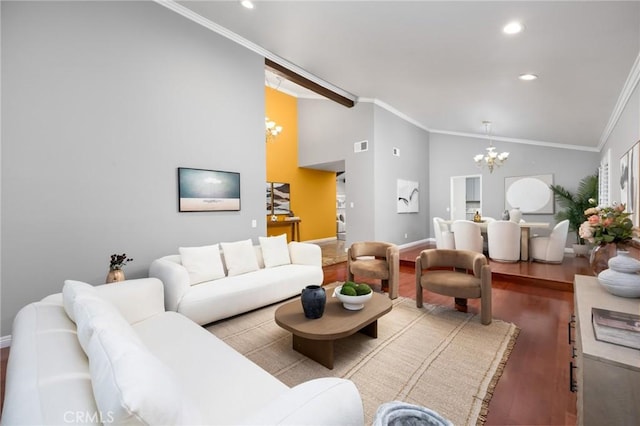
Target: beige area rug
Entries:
(435, 357)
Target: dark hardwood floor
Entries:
(534, 388)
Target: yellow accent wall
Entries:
(313, 192)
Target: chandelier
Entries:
(491, 159)
(272, 129)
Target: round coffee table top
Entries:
(336, 322)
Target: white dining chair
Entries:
(444, 236)
(467, 236)
(550, 249)
(504, 241)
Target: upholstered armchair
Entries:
(461, 274)
(377, 260)
(550, 249)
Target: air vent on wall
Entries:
(361, 146)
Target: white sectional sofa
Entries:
(213, 282)
(111, 354)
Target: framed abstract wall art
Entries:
(408, 199)
(629, 191)
(202, 190)
(278, 198)
(530, 193)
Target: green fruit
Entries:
(349, 284)
(362, 289)
(348, 291)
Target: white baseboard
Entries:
(321, 240)
(5, 341)
(416, 243)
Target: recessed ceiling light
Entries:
(246, 3)
(513, 28)
(528, 77)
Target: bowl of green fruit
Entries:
(353, 296)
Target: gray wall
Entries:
(101, 103)
(327, 133)
(453, 156)
(413, 143)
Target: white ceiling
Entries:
(447, 65)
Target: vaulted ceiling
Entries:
(447, 65)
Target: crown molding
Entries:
(219, 29)
(516, 140)
(394, 111)
(627, 90)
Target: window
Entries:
(604, 180)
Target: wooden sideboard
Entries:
(605, 376)
(294, 224)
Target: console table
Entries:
(605, 376)
(293, 223)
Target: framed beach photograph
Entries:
(202, 190)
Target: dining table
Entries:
(525, 233)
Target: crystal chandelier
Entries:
(272, 129)
(491, 159)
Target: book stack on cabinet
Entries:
(620, 328)
(606, 376)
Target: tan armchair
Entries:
(375, 260)
(455, 281)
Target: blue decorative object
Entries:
(313, 298)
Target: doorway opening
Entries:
(466, 197)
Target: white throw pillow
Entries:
(94, 313)
(240, 257)
(70, 291)
(275, 251)
(202, 263)
(132, 386)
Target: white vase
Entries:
(623, 276)
(515, 215)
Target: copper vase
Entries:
(115, 275)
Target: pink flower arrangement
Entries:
(609, 224)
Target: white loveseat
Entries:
(214, 282)
(126, 361)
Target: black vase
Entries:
(313, 300)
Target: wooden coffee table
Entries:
(314, 337)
